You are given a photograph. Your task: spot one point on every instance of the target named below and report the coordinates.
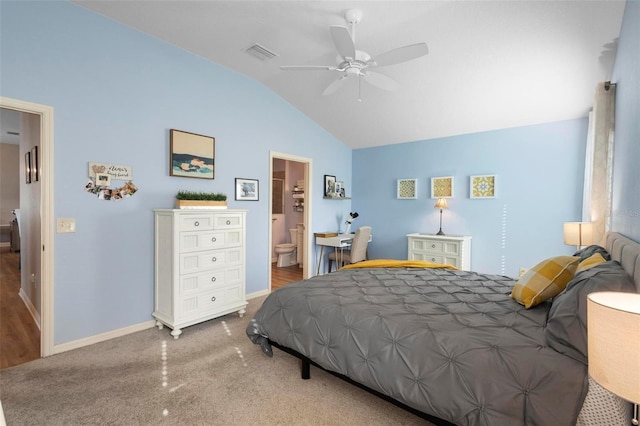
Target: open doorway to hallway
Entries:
(289, 202)
(20, 252)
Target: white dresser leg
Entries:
(241, 312)
(159, 325)
(176, 332)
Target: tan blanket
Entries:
(393, 263)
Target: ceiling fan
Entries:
(356, 63)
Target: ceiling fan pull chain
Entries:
(360, 88)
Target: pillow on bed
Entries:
(589, 262)
(545, 280)
(591, 250)
(566, 330)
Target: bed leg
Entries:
(305, 369)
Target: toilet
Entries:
(287, 252)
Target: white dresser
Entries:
(449, 249)
(199, 266)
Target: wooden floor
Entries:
(283, 276)
(19, 334)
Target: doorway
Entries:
(289, 210)
(36, 243)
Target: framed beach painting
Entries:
(191, 155)
(442, 187)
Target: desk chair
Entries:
(358, 251)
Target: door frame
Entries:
(308, 202)
(46, 216)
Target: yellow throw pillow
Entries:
(590, 261)
(545, 280)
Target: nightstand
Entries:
(448, 249)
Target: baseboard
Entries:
(32, 309)
(5, 244)
(76, 344)
(258, 294)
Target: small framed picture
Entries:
(35, 166)
(329, 186)
(103, 179)
(407, 189)
(339, 189)
(27, 167)
(482, 186)
(247, 189)
(442, 187)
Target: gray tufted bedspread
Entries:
(449, 343)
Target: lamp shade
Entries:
(578, 233)
(441, 203)
(613, 328)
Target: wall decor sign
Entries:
(191, 155)
(482, 186)
(116, 171)
(442, 187)
(407, 189)
(329, 186)
(35, 165)
(247, 189)
(27, 167)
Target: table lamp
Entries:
(613, 329)
(441, 204)
(578, 234)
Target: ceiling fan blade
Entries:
(380, 81)
(307, 68)
(401, 54)
(335, 85)
(342, 40)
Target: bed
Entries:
(452, 346)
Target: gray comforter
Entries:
(451, 344)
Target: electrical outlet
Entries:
(64, 225)
(522, 272)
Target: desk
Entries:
(340, 241)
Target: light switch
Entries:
(66, 225)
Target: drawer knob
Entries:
(196, 223)
(433, 246)
(228, 222)
(433, 259)
(213, 259)
(213, 279)
(213, 239)
(213, 298)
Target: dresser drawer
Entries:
(196, 222)
(436, 247)
(228, 220)
(193, 284)
(211, 259)
(209, 302)
(196, 241)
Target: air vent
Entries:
(260, 52)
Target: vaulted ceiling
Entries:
(491, 64)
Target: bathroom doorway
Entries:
(289, 213)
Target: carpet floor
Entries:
(211, 375)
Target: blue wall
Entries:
(540, 170)
(626, 75)
(116, 93)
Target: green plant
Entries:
(208, 196)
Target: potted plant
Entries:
(201, 200)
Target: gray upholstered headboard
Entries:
(627, 252)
